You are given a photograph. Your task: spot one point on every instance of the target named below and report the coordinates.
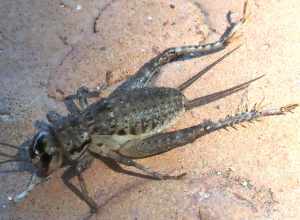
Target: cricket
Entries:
(131, 122)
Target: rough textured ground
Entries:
(48, 49)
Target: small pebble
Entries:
(78, 7)
(298, 83)
(6, 118)
(234, 16)
(149, 18)
(245, 183)
(4, 106)
(202, 196)
(266, 46)
(172, 6)
(71, 4)
(206, 195)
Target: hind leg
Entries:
(149, 70)
(163, 142)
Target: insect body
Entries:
(130, 122)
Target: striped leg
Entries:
(150, 69)
(163, 142)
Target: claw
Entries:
(234, 26)
(176, 177)
(234, 38)
(243, 19)
(244, 126)
(35, 180)
(288, 108)
(246, 13)
(181, 175)
(279, 111)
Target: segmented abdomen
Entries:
(137, 112)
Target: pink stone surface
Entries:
(47, 51)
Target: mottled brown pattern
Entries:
(139, 111)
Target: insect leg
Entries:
(35, 180)
(149, 70)
(54, 117)
(76, 170)
(163, 142)
(129, 162)
(71, 105)
(92, 204)
(108, 153)
(82, 95)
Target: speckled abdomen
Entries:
(138, 112)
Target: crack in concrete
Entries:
(100, 12)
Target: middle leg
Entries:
(76, 170)
(106, 152)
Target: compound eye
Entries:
(40, 144)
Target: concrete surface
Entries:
(50, 48)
